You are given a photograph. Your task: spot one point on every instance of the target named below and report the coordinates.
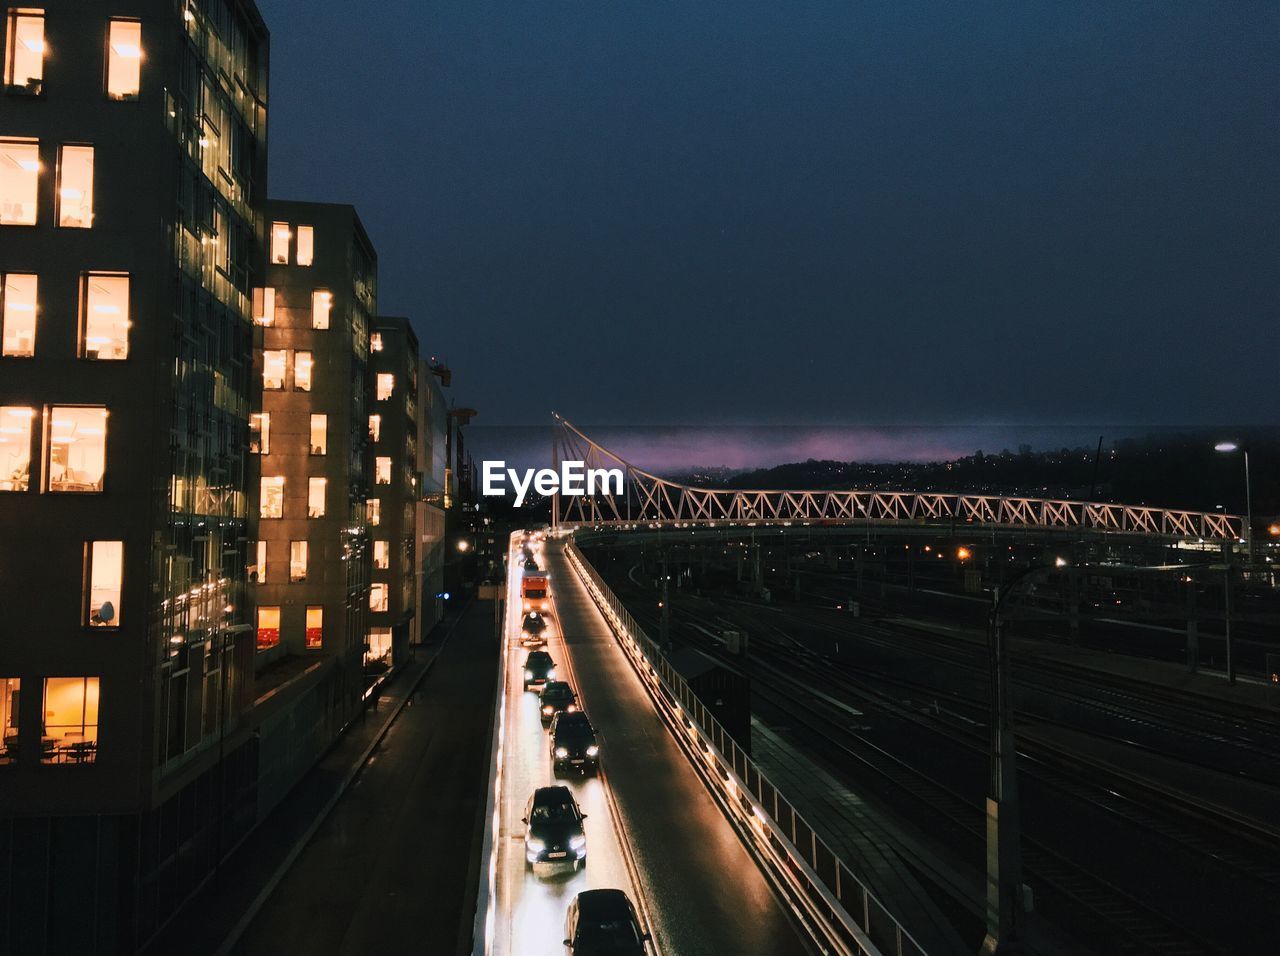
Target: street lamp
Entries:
(1227, 447)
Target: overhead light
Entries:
(1226, 446)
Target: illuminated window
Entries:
(302, 371)
(297, 561)
(104, 567)
(10, 695)
(268, 627)
(264, 306)
(258, 572)
(18, 314)
(70, 711)
(375, 342)
(19, 181)
(319, 434)
(306, 245)
(315, 497)
(373, 511)
(260, 433)
(124, 59)
(271, 503)
(379, 644)
(321, 304)
(378, 597)
(76, 447)
(105, 321)
(75, 186)
(382, 555)
(280, 243)
(382, 470)
(386, 385)
(273, 366)
(24, 51)
(15, 447)
(375, 427)
(315, 625)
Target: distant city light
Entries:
(964, 554)
(1225, 446)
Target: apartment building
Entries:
(429, 544)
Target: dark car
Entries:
(573, 743)
(533, 630)
(553, 829)
(538, 669)
(603, 923)
(531, 565)
(557, 696)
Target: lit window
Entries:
(373, 511)
(378, 597)
(280, 243)
(258, 572)
(379, 644)
(271, 504)
(375, 427)
(10, 694)
(75, 186)
(315, 497)
(302, 371)
(375, 342)
(321, 303)
(70, 729)
(268, 627)
(306, 245)
(24, 51)
(15, 447)
(382, 555)
(319, 434)
(297, 561)
(104, 568)
(124, 59)
(382, 470)
(260, 433)
(264, 306)
(106, 316)
(315, 625)
(76, 448)
(273, 365)
(386, 385)
(18, 314)
(19, 181)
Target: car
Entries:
(601, 922)
(573, 743)
(556, 696)
(531, 565)
(538, 669)
(534, 623)
(553, 831)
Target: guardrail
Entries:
(839, 911)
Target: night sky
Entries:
(766, 211)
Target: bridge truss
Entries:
(648, 501)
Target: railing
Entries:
(836, 907)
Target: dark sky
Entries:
(768, 211)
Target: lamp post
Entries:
(1227, 447)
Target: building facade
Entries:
(429, 554)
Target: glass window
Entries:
(77, 448)
(15, 447)
(268, 627)
(18, 314)
(258, 572)
(386, 385)
(271, 504)
(321, 303)
(375, 427)
(124, 59)
(70, 731)
(297, 561)
(319, 434)
(375, 342)
(260, 433)
(379, 644)
(382, 555)
(19, 181)
(315, 625)
(10, 695)
(273, 366)
(373, 511)
(280, 243)
(24, 51)
(382, 470)
(306, 246)
(302, 371)
(106, 316)
(315, 497)
(75, 186)
(264, 306)
(378, 597)
(104, 568)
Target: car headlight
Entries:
(528, 675)
(551, 674)
(547, 709)
(534, 844)
(562, 752)
(571, 708)
(577, 842)
(592, 750)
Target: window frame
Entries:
(46, 485)
(136, 95)
(27, 141)
(57, 185)
(35, 321)
(82, 343)
(6, 412)
(86, 610)
(12, 15)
